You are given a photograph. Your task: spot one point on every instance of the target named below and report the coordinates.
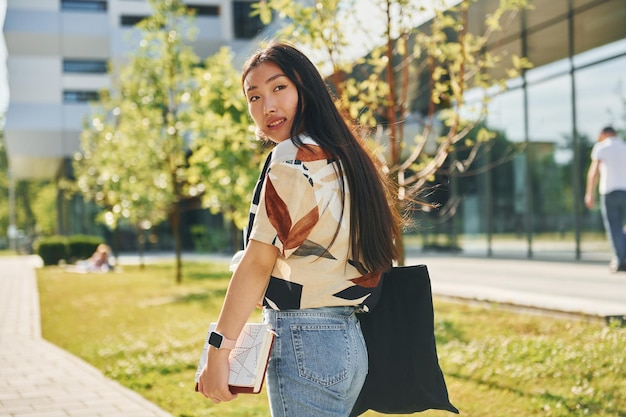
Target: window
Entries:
(600, 93)
(202, 10)
(131, 20)
(85, 66)
(84, 5)
(601, 53)
(599, 25)
(548, 44)
(505, 115)
(78, 96)
(545, 11)
(245, 26)
(551, 156)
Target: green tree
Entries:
(117, 167)
(4, 184)
(134, 149)
(34, 201)
(423, 72)
(225, 160)
(44, 207)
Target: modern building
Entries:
(58, 52)
(529, 203)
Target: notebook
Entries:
(248, 360)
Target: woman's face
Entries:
(272, 100)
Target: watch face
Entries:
(215, 339)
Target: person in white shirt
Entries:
(608, 172)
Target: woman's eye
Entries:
(280, 87)
(253, 98)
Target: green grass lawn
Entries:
(141, 329)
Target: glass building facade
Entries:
(530, 202)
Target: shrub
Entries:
(208, 241)
(52, 249)
(82, 246)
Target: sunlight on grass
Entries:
(142, 329)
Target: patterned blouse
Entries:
(298, 210)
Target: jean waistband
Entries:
(339, 311)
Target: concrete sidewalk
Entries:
(38, 379)
(577, 289)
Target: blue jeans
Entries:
(318, 363)
(613, 207)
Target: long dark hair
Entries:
(374, 218)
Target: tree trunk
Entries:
(141, 245)
(175, 223)
(116, 245)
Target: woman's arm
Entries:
(246, 288)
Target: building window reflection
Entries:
(548, 120)
(505, 115)
(600, 101)
(601, 53)
(550, 110)
(601, 97)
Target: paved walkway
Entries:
(581, 289)
(38, 379)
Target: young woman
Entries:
(323, 232)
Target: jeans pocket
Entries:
(322, 352)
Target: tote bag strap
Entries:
(256, 198)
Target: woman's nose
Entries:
(269, 107)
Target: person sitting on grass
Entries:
(97, 262)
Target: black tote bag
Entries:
(404, 374)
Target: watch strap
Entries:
(219, 341)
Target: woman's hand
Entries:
(213, 381)
(246, 288)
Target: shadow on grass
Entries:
(187, 298)
(200, 271)
(199, 296)
(205, 275)
(192, 271)
(576, 405)
(584, 405)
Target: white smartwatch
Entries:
(218, 341)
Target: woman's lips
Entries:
(276, 123)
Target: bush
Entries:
(204, 241)
(82, 246)
(52, 249)
(56, 248)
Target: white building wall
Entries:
(34, 79)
